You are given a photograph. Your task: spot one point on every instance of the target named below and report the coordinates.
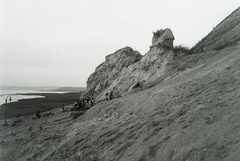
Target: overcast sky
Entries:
(60, 42)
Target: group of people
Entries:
(109, 96)
(87, 102)
(82, 104)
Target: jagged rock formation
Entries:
(121, 74)
(224, 34)
(106, 73)
(163, 38)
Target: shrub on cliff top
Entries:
(182, 49)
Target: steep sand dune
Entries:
(224, 34)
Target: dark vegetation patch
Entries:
(30, 106)
(183, 49)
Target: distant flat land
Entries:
(43, 88)
(30, 106)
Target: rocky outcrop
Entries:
(163, 38)
(151, 67)
(224, 34)
(110, 69)
(126, 70)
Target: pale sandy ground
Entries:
(193, 116)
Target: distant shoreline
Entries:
(25, 107)
(43, 88)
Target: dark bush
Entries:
(182, 49)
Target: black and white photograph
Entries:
(119, 80)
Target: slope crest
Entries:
(224, 34)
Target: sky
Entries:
(61, 42)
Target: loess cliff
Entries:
(128, 71)
(168, 106)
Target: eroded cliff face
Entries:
(106, 73)
(126, 70)
(163, 38)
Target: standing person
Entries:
(63, 109)
(38, 115)
(111, 95)
(92, 102)
(106, 96)
(80, 104)
(87, 98)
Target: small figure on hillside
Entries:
(76, 106)
(137, 85)
(38, 115)
(18, 115)
(106, 96)
(92, 93)
(106, 84)
(92, 102)
(63, 108)
(111, 95)
(87, 98)
(81, 104)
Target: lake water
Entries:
(16, 95)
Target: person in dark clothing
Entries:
(106, 96)
(38, 115)
(81, 104)
(63, 109)
(87, 99)
(111, 95)
(92, 102)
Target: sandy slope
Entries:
(194, 116)
(224, 34)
